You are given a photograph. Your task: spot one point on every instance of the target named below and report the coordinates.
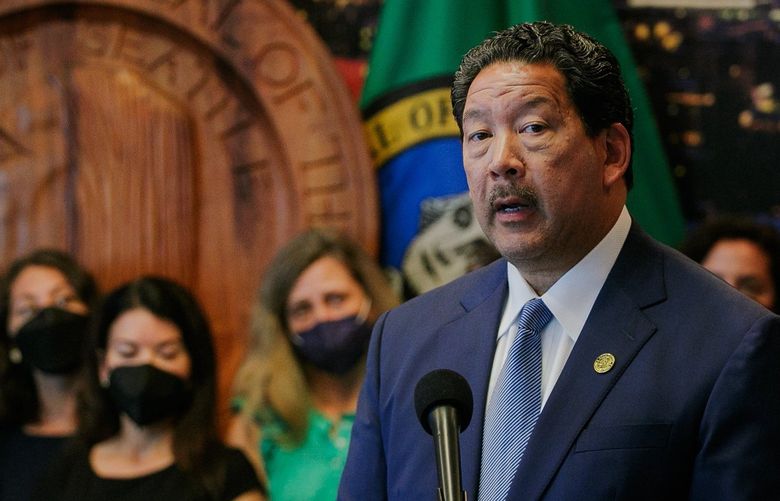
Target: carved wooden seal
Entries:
(188, 138)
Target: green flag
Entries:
(414, 139)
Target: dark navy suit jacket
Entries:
(690, 410)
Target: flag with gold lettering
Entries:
(428, 229)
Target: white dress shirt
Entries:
(570, 300)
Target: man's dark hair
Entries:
(592, 72)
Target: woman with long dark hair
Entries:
(147, 411)
(45, 299)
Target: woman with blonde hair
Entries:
(296, 393)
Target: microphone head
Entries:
(443, 387)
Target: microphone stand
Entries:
(446, 441)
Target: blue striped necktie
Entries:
(515, 404)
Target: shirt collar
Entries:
(571, 298)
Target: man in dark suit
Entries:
(657, 380)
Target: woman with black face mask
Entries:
(147, 425)
(45, 299)
(296, 393)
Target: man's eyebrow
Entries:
(473, 114)
(529, 104)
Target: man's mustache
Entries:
(525, 193)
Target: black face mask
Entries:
(52, 340)
(336, 346)
(148, 394)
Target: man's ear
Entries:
(617, 143)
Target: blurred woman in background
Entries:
(742, 252)
(296, 393)
(45, 299)
(147, 411)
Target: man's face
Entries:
(544, 192)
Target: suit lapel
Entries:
(617, 326)
(471, 339)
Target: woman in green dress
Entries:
(296, 393)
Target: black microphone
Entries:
(443, 401)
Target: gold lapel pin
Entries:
(604, 363)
